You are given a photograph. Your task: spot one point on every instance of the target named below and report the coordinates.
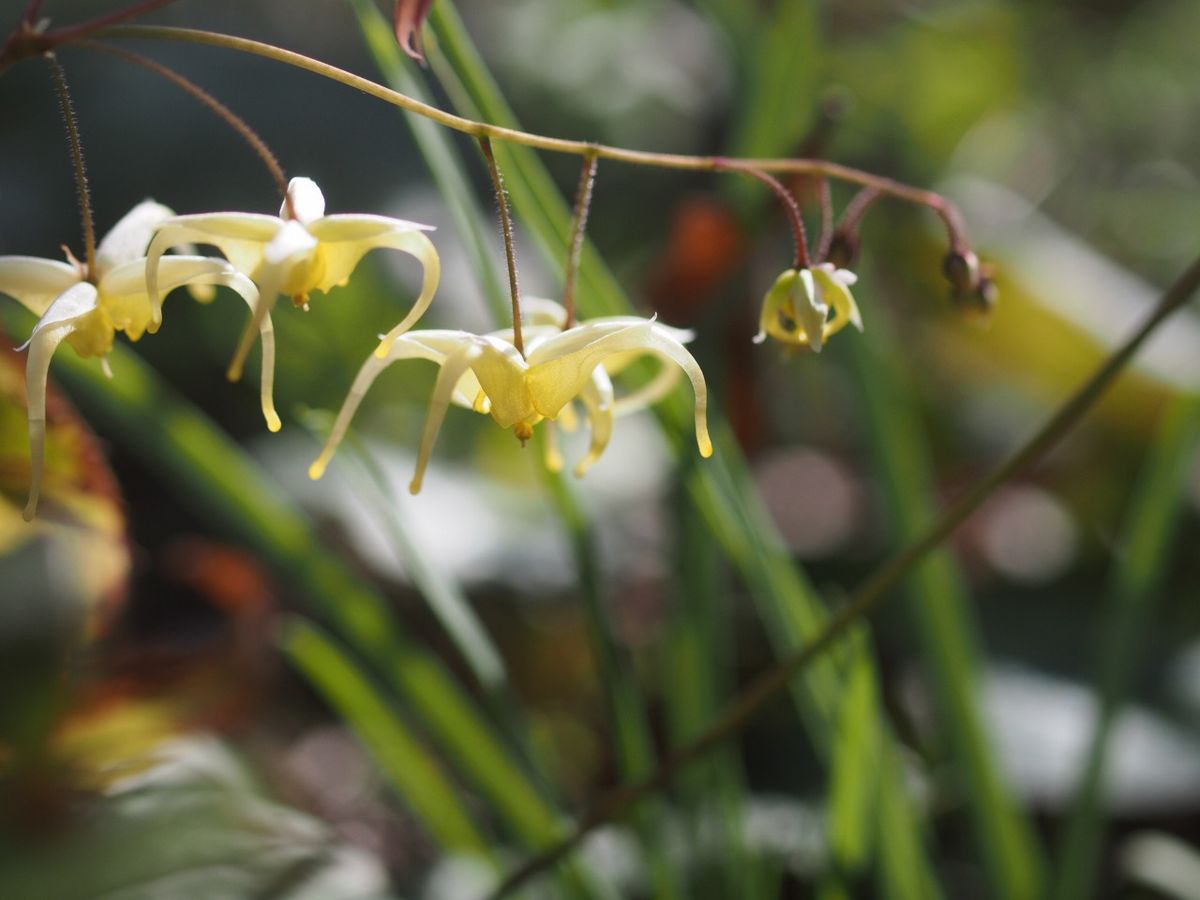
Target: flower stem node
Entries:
(796, 308)
(87, 309)
(486, 374)
(297, 252)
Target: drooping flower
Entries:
(796, 308)
(487, 374)
(87, 309)
(297, 252)
(409, 16)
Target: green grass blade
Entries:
(219, 481)
(855, 762)
(630, 722)
(1134, 591)
(696, 673)
(399, 755)
(721, 487)
(440, 154)
(940, 607)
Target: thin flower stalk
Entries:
(579, 217)
(77, 164)
(506, 231)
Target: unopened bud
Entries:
(961, 269)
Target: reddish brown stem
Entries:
(583, 203)
(790, 207)
(227, 115)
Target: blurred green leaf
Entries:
(1135, 590)
(408, 765)
(219, 480)
(855, 767)
(938, 601)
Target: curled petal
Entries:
(129, 238)
(432, 345)
(288, 251)
(555, 381)
(241, 237)
(409, 16)
(551, 454)
(793, 312)
(59, 321)
(651, 392)
(34, 282)
(452, 369)
(834, 287)
(597, 397)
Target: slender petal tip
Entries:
(317, 470)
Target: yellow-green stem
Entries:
(944, 209)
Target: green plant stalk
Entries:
(221, 483)
(441, 156)
(721, 487)
(940, 607)
(696, 672)
(1135, 588)
(629, 720)
(399, 755)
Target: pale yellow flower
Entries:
(87, 309)
(297, 252)
(796, 308)
(487, 374)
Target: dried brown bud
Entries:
(962, 270)
(409, 16)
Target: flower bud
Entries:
(961, 269)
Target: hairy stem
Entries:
(790, 207)
(510, 252)
(228, 116)
(867, 596)
(76, 146)
(826, 237)
(583, 203)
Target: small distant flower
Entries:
(796, 308)
(87, 309)
(297, 252)
(409, 16)
(485, 373)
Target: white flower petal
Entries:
(432, 345)
(597, 396)
(58, 322)
(308, 203)
(129, 238)
(70, 306)
(241, 237)
(34, 282)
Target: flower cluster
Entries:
(302, 251)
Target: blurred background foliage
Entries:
(493, 653)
